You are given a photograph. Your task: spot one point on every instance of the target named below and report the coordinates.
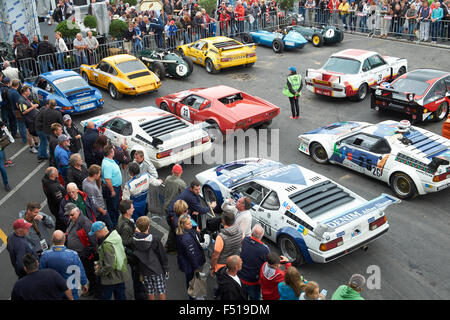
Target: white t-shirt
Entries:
(236, 278)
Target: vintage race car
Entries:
(72, 94)
(409, 159)
(310, 217)
(320, 35)
(217, 53)
(164, 137)
(224, 107)
(278, 40)
(166, 62)
(121, 74)
(423, 94)
(350, 73)
(446, 128)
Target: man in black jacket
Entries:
(44, 54)
(88, 138)
(54, 192)
(230, 286)
(45, 118)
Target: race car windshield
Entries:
(410, 85)
(131, 66)
(70, 83)
(342, 65)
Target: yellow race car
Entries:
(218, 53)
(121, 74)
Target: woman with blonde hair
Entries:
(190, 256)
(311, 292)
(61, 49)
(292, 286)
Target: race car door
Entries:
(257, 193)
(42, 91)
(366, 153)
(198, 51)
(379, 70)
(118, 128)
(100, 74)
(190, 108)
(270, 210)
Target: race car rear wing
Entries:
(409, 95)
(375, 205)
(236, 47)
(310, 73)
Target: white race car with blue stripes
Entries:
(310, 217)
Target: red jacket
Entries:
(330, 5)
(269, 280)
(240, 12)
(224, 18)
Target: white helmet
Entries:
(403, 126)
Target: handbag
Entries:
(197, 287)
(4, 141)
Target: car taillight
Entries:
(225, 59)
(249, 55)
(332, 244)
(441, 177)
(66, 108)
(205, 139)
(163, 154)
(377, 223)
(273, 114)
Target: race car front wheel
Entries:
(318, 153)
(290, 250)
(113, 92)
(159, 69)
(164, 106)
(441, 112)
(278, 45)
(317, 40)
(210, 196)
(403, 186)
(246, 38)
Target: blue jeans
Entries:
(137, 46)
(253, 292)
(46, 64)
(22, 130)
(112, 204)
(117, 289)
(363, 24)
(43, 145)
(2, 167)
(80, 59)
(435, 30)
(411, 28)
(344, 21)
(60, 57)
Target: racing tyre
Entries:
(210, 66)
(113, 92)
(181, 52)
(403, 186)
(246, 38)
(159, 70)
(363, 90)
(189, 63)
(85, 77)
(318, 153)
(210, 196)
(342, 36)
(278, 45)
(441, 112)
(290, 250)
(164, 106)
(317, 40)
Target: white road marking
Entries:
(28, 177)
(19, 152)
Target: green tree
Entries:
(90, 22)
(286, 4)
(68, 28)
(208, 5)
(117, 28)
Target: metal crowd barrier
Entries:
(378, 24)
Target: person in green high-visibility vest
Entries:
(293, 91)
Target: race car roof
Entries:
(216, 91)
(119, 58)
(355, 54)
(426, 74)
(58, 74)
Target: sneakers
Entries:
(9, 163)
(291, 117)
(33, 150)
(7, 188)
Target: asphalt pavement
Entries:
(409, 262)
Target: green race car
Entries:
(167, 63)
(319, 36)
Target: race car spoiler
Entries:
(375, 205)
(317, 72)
(237, 47)
(409, 95)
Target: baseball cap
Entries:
(21, 224)
(66, 117)
(63, 138)
(68, 208)
(177, 169)
(357, 280)
(292, 69)
(97, 226)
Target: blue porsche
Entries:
(70, 91)
(278, 40)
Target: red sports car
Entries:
(423, 94)
(222, 106)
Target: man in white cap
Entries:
(352, 290)
(71, 130)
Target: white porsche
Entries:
(350, 73)
(164, 137)
(310, 217)
(409, 159)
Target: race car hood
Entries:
(141, 78)
(244, 109)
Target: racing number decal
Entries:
(329, 33)
(185, 113)
(181, 70)
(380, 77)
(266, 227)
(377, 171)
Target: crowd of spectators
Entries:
(424, 20)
